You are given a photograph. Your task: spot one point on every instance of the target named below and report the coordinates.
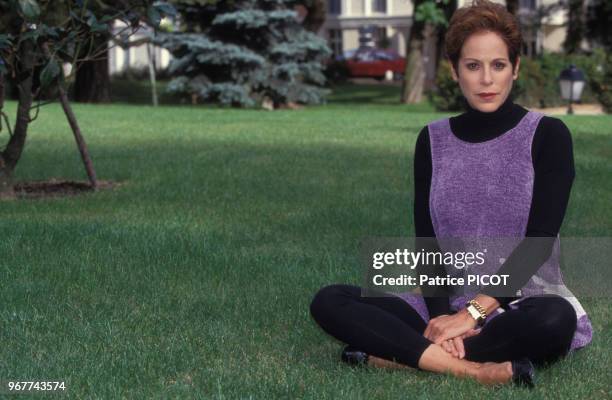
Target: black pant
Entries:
(541, 329)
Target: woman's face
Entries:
(484, 68)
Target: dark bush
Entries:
(551, 65)
(598, 69)
(447, 95)
(530, 87)
(336, 72)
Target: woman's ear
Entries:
(516, 69)
(454, 73)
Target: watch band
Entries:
(476, 311)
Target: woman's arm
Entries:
(554, 174)
(436, 298)
(553, 163)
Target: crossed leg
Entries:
(391, 332)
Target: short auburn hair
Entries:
(482, 16)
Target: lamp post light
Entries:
(571, 81)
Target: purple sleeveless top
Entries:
(484, 190)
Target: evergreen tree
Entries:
(244, 53)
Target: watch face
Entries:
(474, 313)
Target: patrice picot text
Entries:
(411, 259)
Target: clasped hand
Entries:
(450, 330)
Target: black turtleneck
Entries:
(553, 164)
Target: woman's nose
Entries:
(486, 76)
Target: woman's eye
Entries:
(472, 66)
(500, 65)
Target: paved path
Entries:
(579, 109)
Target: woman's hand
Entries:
(447, 327)
(455, 345)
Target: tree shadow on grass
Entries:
(375, 94)
(57, 188)
(365, 93)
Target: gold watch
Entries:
(476, 311)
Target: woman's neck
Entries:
(478, 126)
(502, 110)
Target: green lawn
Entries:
(193, 279)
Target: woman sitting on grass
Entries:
(497, 170)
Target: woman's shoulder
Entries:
(439, 123)
(422, 148)
(552, 130)
(552, 143)
(554, 125)
(422, 142)
(548, 126)
(434, 125)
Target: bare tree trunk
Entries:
(575, 27)
(152, 77)
(414, 79)
(449, 9)
(89, 168)
(5, 182)
(315, 17)
(76, 130)
(429, 56)
(433, 46)
(12, 152)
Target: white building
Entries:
(136, 57)
(393, 18)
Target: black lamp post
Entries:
(571, 81)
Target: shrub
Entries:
(447, 95)
(598, 68)
(530, 87)
(551, 65)
(336, 72)
(538, 82)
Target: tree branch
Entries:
(14, 148)
(127, 44)
(76, 130)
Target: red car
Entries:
(374, 63)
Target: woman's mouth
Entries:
(487, 96)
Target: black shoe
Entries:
(523, 373)
(353, 356)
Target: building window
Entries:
(334, 37)
(527, 4)
(379, 6)
(380, 37)
(334, 7)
